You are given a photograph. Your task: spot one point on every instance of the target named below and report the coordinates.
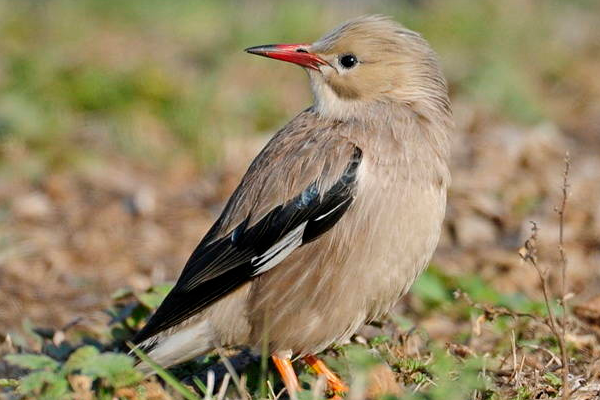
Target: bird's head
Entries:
(367, 64)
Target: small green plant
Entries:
(130, 309)
(50, 379)
(168, 377)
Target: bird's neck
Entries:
(390, 126)
(408, 126)
(411, 136)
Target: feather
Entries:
(218, 267)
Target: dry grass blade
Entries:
(319, 387)
(272, 392)
(242, 391)
(164, 374)
(513, 346)
(223, 389)
(210, 384)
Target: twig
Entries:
(553, 357)
(490, 312)
(563, 270)
(529, 254)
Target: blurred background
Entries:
(125, 125)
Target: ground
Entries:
(120, 141)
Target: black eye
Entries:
(348, 60)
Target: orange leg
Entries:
(284, 366)
(334, 383)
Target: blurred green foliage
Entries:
(152, 80)
(435, 289)
(48, 378)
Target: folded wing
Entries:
(260, 227)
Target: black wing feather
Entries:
(219, 267)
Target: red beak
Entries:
(294, 53)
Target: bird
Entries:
(334, 219)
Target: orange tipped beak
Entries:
(294, 53)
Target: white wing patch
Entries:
(320, 217)
(279, 251)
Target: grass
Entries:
(463, 367)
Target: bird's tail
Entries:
(177, 345)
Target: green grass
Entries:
(436, 374)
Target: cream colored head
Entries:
(366, 64)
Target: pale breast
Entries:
(401, 225)
(325, 290)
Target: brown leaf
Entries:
(382, 380)
(589, 311)
(82, 386)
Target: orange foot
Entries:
(286, 370)
(334, 383)
(284, 365)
